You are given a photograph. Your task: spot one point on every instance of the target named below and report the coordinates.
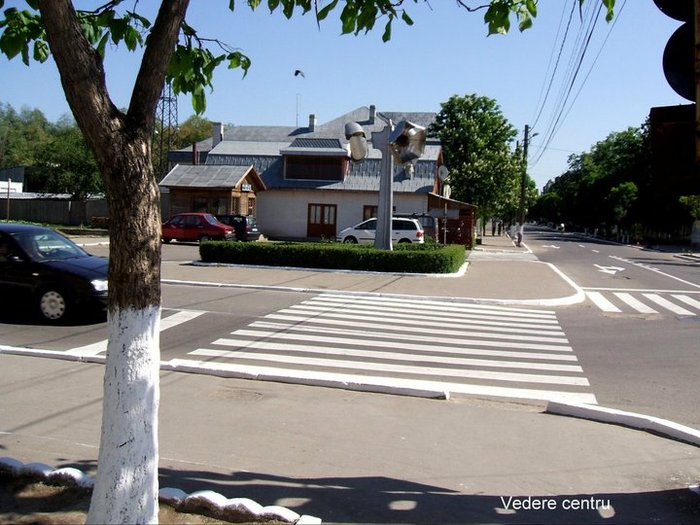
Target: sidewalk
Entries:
(518, 273)
(350, 457)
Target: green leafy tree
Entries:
(126, 483)
(476, 139)
(192, 130)
(692, 204)
(610, 184)
(66, 164)
(22, 136)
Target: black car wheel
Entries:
(52, 304)
(350, 240)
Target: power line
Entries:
(563, 107)
(543, 102)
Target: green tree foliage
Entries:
(22, 136)
(692, 204)
(608, 185)
(194, 129)
(66, 164)
(477, 143)
(56, 154)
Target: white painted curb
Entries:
(662, 427)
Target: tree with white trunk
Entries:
(126, 485)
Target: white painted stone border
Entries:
(216, 504)
(662, 427)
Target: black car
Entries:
(245, 226)
(52, 272)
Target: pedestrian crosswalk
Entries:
(646, 301)
(372, 342)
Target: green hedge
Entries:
(408, 258)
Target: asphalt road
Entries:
(635, 358)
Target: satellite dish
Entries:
(443, 173)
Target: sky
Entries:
(446, 52)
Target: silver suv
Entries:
(402, 230)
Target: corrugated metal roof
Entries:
(205, 176)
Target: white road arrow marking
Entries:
(612, 270)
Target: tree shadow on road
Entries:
(378, 499)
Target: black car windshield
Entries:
(48, 246)
(211, 219)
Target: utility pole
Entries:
(523, 177)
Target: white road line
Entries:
(655, 270)
(374, 383)
(635, 303)
(391, 356)
(440, 306)
(601, 302)
(464, 344)
(394, 368)
(168, 322)
(404, 324)
(393, 345)
(665, 303)
(490, 320)
(688, 300)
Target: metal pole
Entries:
(385, 209)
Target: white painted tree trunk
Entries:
(126, 485)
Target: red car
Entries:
(196, 227)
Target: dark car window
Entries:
(192, 220)
(403, 225)
(48, 246)
(368, 225)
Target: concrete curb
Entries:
(655, 425)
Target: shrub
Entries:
(406, 258)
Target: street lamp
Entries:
(358, 142)
(403, 143)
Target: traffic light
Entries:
(679, 55)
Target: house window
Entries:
(369, 212)
(251, 206)
(199, 204)
(314, 168)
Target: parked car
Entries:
(195, 227)
(245, 226)
(402, 230)
(49, 270)
(428, 222)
